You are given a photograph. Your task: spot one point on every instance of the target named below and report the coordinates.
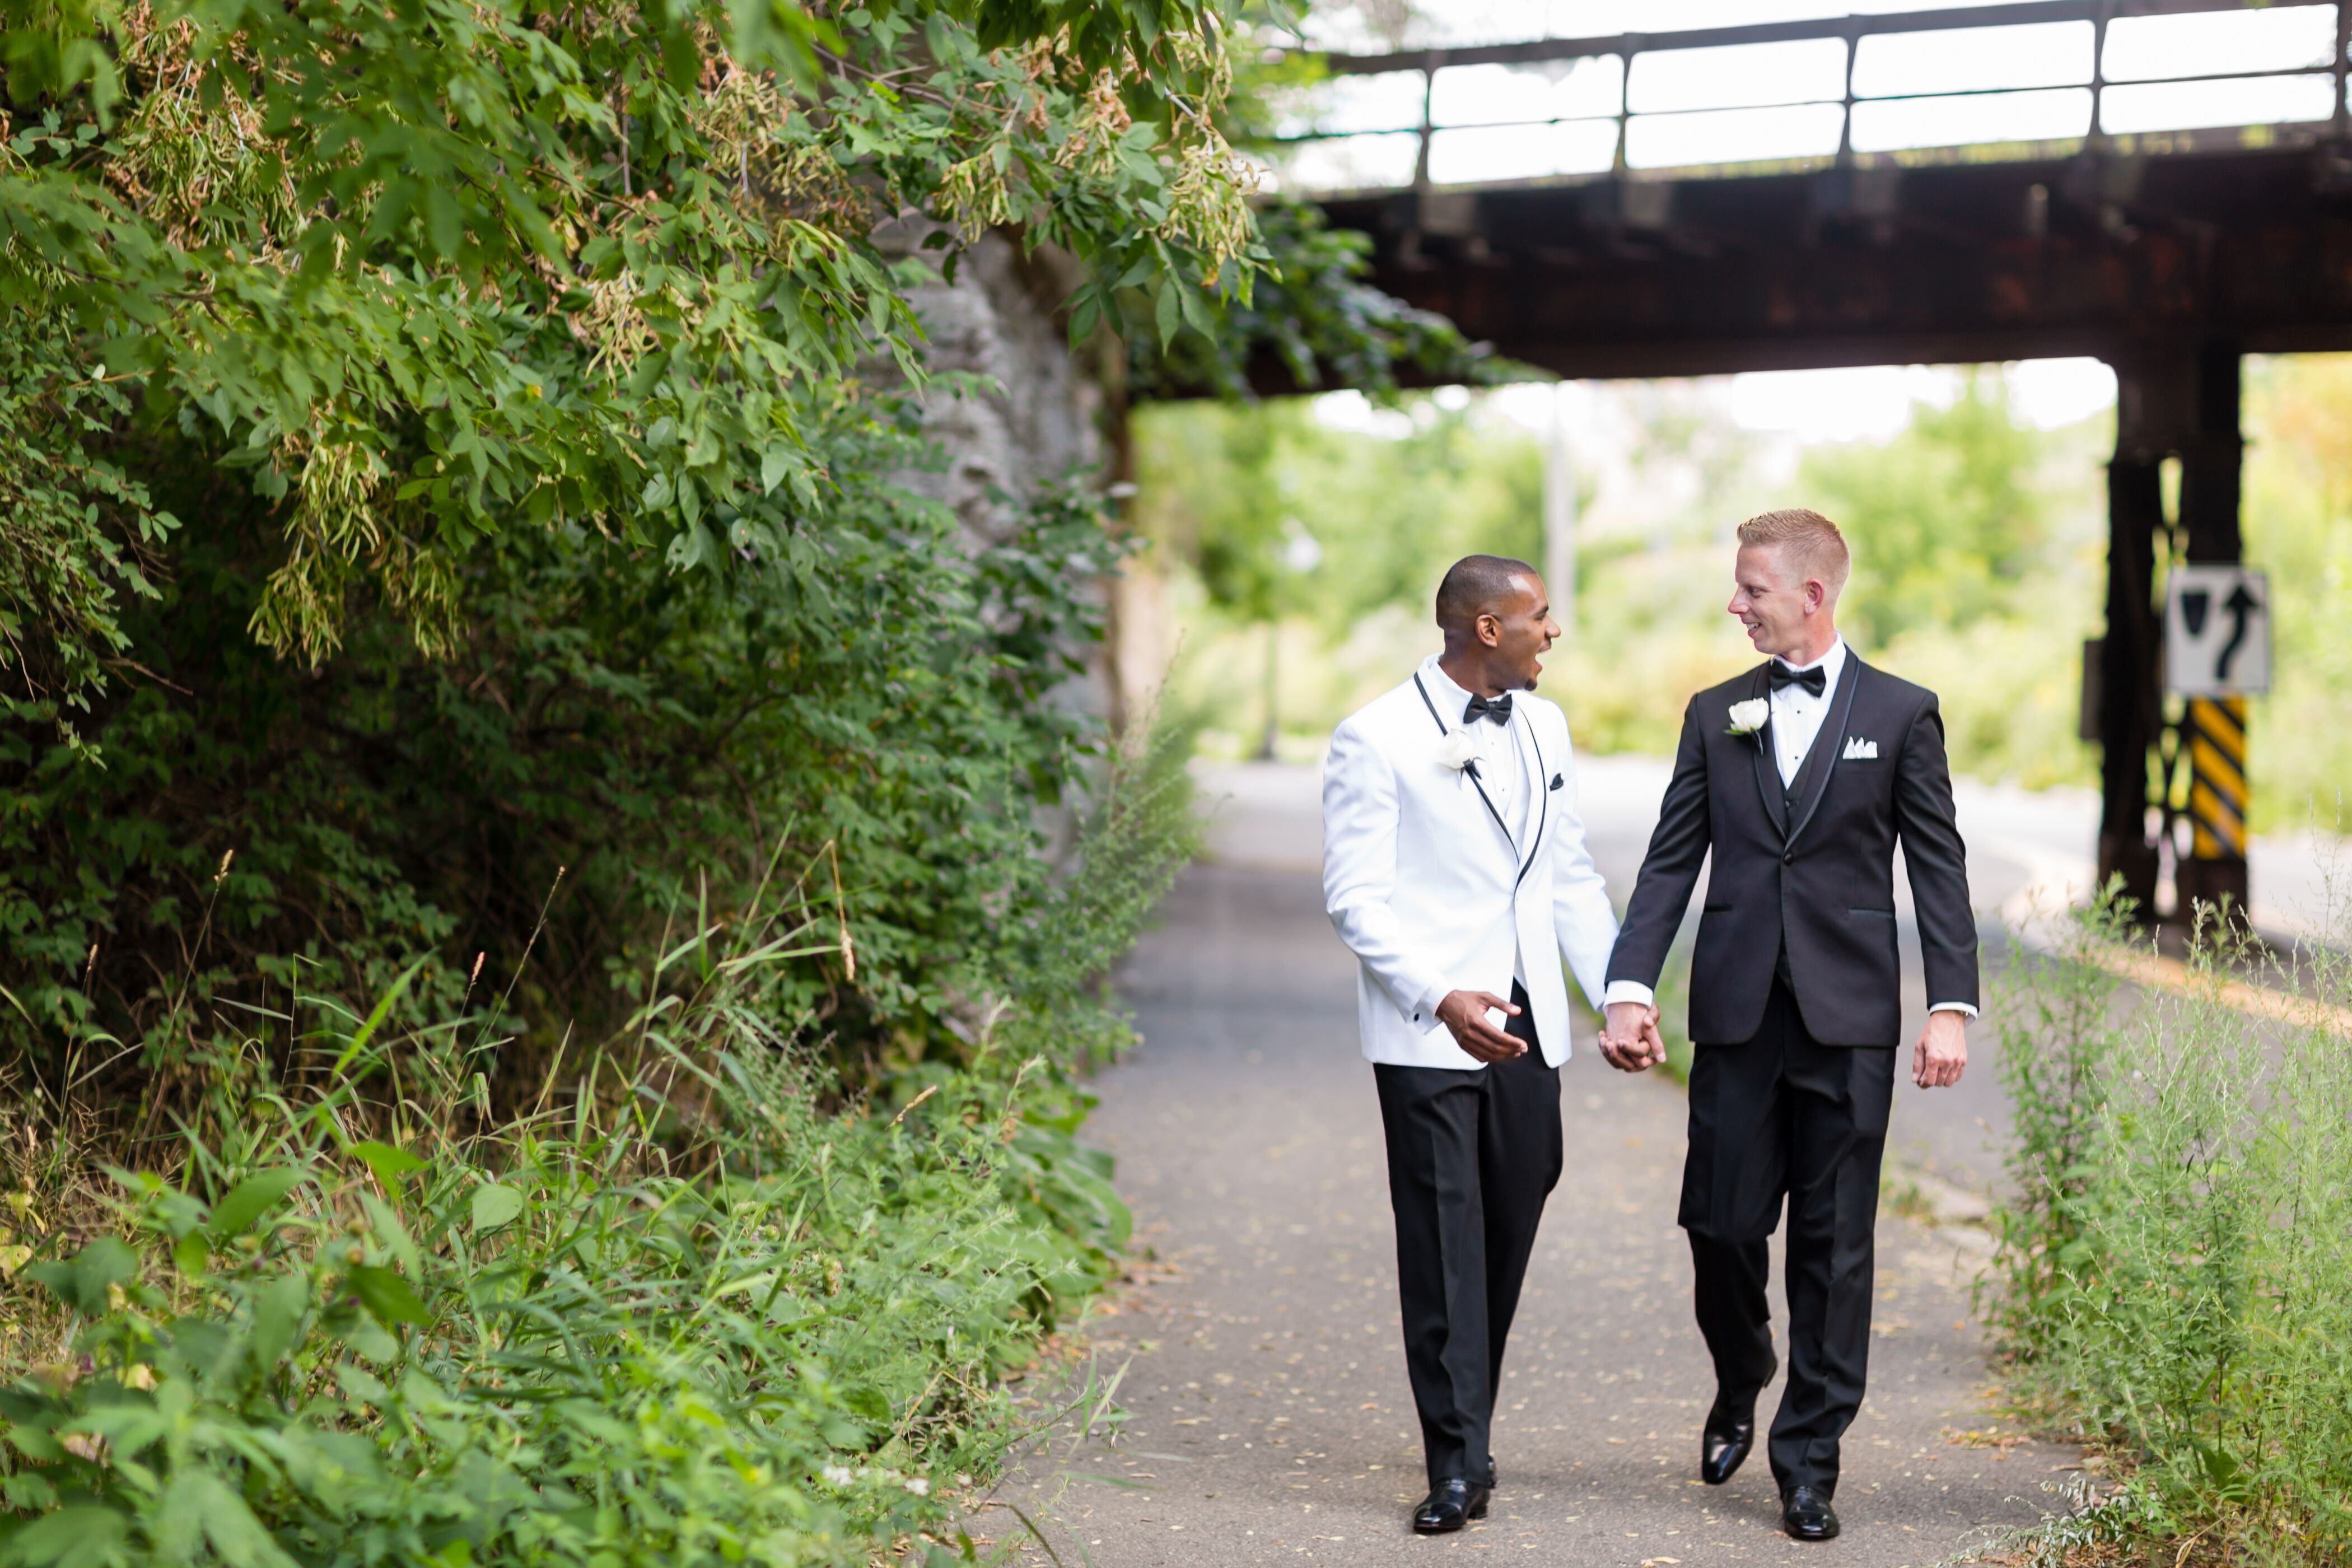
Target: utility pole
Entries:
(1267, 750)
(1560, 515)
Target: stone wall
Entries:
(1044, 415)
(1039, 421)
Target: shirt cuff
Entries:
(1628, 990)
(1968, 1008)
(1424, 1010)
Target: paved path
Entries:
(1269, 1419)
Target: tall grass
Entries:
(677, 1311)
(2175, 1263)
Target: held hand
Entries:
(1653, 1040)
(1942, 1053)
(1631, 1042)
(1464, 1013)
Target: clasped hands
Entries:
(1630, 1040)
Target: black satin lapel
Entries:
(1820, 759)
(1768, 776)
(1543, 805)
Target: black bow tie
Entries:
(1498, 708)
(1815, 681)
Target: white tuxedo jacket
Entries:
(1433, 896)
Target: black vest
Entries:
(1792, 795)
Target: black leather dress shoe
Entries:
(1723, 1445)
(1806, 1515)
(1450, 1505)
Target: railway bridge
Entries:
(2166, 184)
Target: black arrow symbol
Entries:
(2241, 606)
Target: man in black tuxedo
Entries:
(1800, 776)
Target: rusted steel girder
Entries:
(1927, 20)
(2095, 254)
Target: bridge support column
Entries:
(2213, 730)
(2130, 704)
(2179, 404)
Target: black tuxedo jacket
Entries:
(1820, 879)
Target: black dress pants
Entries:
(1473, 1154)
(1784, 1115)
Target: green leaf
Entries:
(277, 1309)
(774, 463)
(363, 1386)
(1086, 314)
(250, 1199)
(1168, 311)
(230, 1526)
(494, 1204)
(79, 1535)
(388, 1298)
(1198, 313)
(388, 1164)
(81, 1282)
(375, 1019)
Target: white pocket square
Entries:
(1858, 749)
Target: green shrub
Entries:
(2173, 1261)
(677, 1311)
(267, 826)
(472, 453)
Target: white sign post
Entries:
(2217, 631)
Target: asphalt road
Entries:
(1267, 1415)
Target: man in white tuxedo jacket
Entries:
(1454, 868)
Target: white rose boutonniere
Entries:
(1749, 716)
(1457, 749)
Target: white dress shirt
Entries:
(1797, 717)
(1502, 753)
(1797, 713)
(1502, 765)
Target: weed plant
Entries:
(2173, 1265)
(675, 1312)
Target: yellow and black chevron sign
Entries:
(2215, 730)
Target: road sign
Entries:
(2217, 631)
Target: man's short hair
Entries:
(1475, 585)
(1815, 547)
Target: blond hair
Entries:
(1815, 547)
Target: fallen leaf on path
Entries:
(1989, 1438)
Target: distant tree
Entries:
(2299, 529)
(1281, 515)
(1946, 518)
(1231, 523)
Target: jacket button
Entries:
(1789, 858)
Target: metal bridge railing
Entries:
(1626, 48)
